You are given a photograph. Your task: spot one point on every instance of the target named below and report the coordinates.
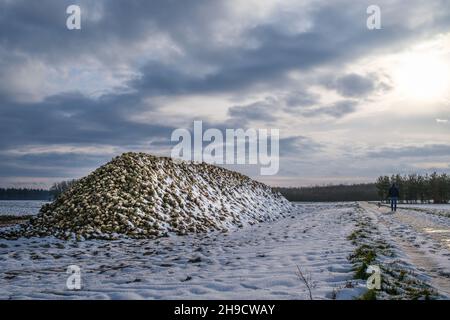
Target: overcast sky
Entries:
(351, 103)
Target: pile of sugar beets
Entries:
(137, 195)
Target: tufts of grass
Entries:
(362, 258)
(369, 295)
(397, 281)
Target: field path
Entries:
(423, 237)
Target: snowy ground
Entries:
(421, 238)
(437, 209)
(20, 207)
(426, 206)
(258, 262)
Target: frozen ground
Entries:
(257, 262)
(437, 209)
(422, 238)
(20, 207)
(443, 207)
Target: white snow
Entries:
(426, 206)
(254, 262)
(422, 239)
(20, 207)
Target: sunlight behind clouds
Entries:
(423, 73)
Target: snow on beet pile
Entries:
(143, 196)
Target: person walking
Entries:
(393, 196)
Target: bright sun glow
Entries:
(423, 76)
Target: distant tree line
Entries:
(355, 192)
(24, 194)
(35, 194)
(413, 188)
(59, 187)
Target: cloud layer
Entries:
(70, 100)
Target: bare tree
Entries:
(60, 187)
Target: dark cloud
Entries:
(353, 85)
(49, 164)
(335, 110)
(260, 111)
(74, 118)
(40, 27)
(301, 98)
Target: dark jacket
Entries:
(393, 192)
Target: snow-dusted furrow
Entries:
(255, 262)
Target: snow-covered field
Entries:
(255, 262)
(20, 207)
(445, 207)
(437, 209)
